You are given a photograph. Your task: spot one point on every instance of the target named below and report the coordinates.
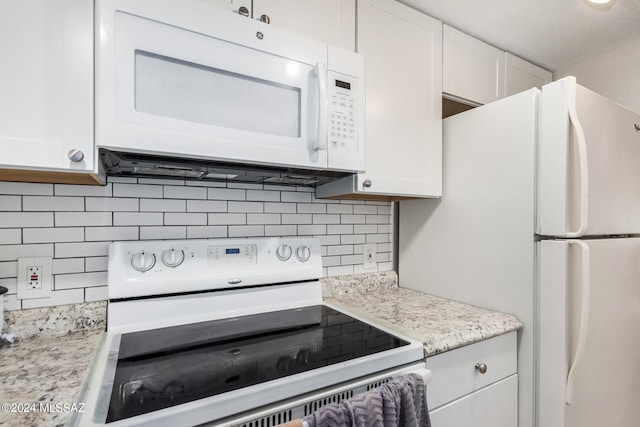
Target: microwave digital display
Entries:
(231, 251)
(344, 85)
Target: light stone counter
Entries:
(44, 371)
(440, 324)
(58, 344)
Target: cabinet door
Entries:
(328, 21)
(454, 373)
(232, 5)
(492, 406)
(521, 75)
(403, 54)
(46, 106)
(473, 71)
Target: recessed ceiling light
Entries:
(600, 4)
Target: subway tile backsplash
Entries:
(75, 223)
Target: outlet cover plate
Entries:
(25, 290)
(369, 255)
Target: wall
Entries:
(614, 74)
(74, 224)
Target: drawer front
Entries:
(493, 406)
(454, 373)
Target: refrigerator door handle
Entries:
(584, 319)
(582, 158)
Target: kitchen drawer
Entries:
(454, 373)
(493, 406)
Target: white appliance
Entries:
(184, 79)
(230, 332)
(540, 217)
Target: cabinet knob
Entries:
(481, 367)
(243, 11)
(367, 183)
(265, 19)
(75, 155)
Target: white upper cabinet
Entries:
(237, 6)
(403, 55)
(329, 21)
(473, 71)
(46, 106)
(521, 75)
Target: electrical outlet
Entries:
(369, 255)
(34, 278)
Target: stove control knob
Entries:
(284, 364)
(172, 257)
(303, 253)
(143, 261)
(283, 252)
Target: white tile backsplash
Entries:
(52, 235)
(77, 250)
(83, 190)
(162, 205)
(112, 204)
(175, 192)
(97, 263)
(74, 224)
(10, 203)
(10, 236)
(8, 269)
(13, 252)
(80, 280)
(105, 234)
(52, 203)
(68, 219)
(162, 233)
(26, 188)
(26, 219)
(68, 265)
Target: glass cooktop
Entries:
(164, 367)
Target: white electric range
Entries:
(230, 332)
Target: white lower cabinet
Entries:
(493, 406)
(476, 385)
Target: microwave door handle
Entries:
(320, 143)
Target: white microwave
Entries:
(183, 79)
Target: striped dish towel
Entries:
(399, 403)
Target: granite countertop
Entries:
(42, 375)
(440, 324)
(58, 344)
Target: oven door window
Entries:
(165, 367)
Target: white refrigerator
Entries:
(540, 218)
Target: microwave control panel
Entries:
(343, 112)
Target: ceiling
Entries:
(550, 33)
